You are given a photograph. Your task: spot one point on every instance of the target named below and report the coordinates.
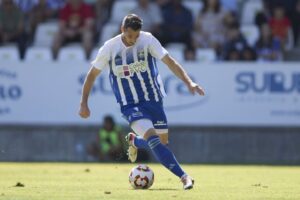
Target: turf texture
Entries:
(95, 181)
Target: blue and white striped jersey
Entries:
(134, 75)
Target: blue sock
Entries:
(164, 155)
(140, 143)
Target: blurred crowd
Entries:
(217, 25)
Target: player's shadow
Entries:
(163, 189)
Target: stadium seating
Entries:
(45, 33)
(194, 6)
(251, 33)
(176, 53)
(108, 31)
(250, 10)
(38, 54)
(206, 55)
(175, 45)
(9, 53)
(120, 9)
(94, 53)
(72, 52)
(176, 50)
(123, 7)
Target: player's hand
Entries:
(195, 88)
(84, 111)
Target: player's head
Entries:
(108, 122)
(131, 27)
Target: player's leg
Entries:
(161, 151)
(187, 181)
(132, 114)
(153, 112)
(164, 137)
(140, 143)
(136, 142)
(149, 111)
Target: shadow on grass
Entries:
(163, 189)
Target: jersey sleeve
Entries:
(102, 58)
(156, 49)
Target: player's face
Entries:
(130, 36)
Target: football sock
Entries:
(164, 155)
(140, 143)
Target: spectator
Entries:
(189, 54)
(162, 3)
(281, 26)
(268, 47)
(230, 20)
(235, 43)
(12, 26)
(56, 5)
(249, 54)
(264, 15)
(76, 24)
(151, 15)
(209, 27)
(288, 5)
(230, 5)
(177, 25)
(103, 12)
(296, 22)
(26, 5)
(40, 13)
(261, 18)
(233, 55)
(109, 145)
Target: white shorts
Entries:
(141, 126)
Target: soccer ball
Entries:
(141, 177)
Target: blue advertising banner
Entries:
(237, 94)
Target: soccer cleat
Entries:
(187, 181)
(132, 150)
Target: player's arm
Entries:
(176, 68)
(84, 110)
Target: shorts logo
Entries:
(137, 114)
(160, 123)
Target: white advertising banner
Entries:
(237, 94)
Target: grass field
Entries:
(64, 181)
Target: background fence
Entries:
(251, 113)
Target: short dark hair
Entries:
(132, 21)
(109, 119)
(217, 7)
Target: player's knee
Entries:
(164, 138)
(149, 133)
(164, 141)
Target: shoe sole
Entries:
(132, 160)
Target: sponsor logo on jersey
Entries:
(125, 71)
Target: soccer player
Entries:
(131, 59)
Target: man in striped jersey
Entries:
(136, 83)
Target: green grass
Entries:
(64, 181)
